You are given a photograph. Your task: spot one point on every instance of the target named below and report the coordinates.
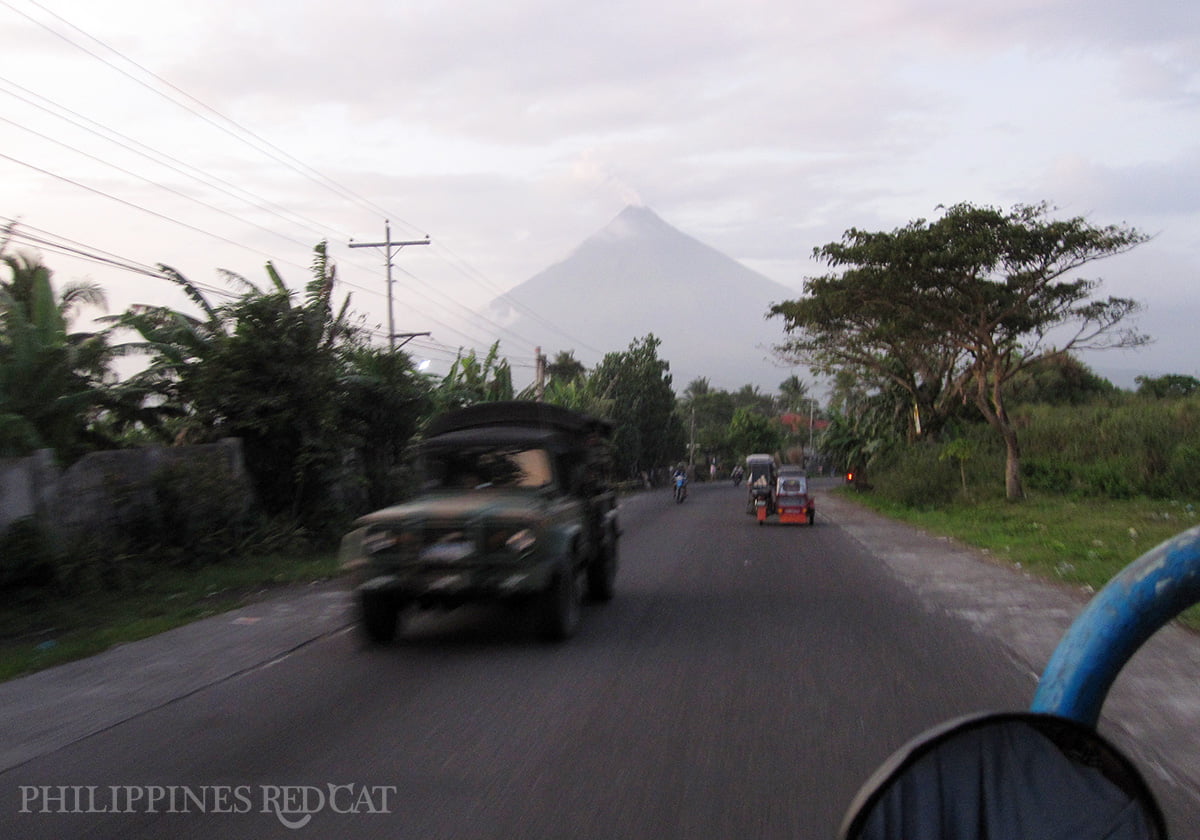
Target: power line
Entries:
(155, 213)
(483, 281)
(261, 145)
(152, 272)
(218, 236)
(163, 159)
(222, 123)
(13, 230)
(23, 233)
(238, 218)
(165, 187)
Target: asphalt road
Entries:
(743, 684)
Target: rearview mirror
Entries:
(1001, 776)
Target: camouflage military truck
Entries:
(516, 505)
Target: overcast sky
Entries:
(225, 133)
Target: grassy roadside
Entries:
(1082, 542)
(41, 631)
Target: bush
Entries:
(1119, 448)
(200, 514)
(26, 558)
(1047, 473)
(1183, 471)
(916, 477)
(1112, 479)
(197, 514)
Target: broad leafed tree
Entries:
(957, 307)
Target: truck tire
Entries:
(560, 606)
(380, 615)
(602, 572)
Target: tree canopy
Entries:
(751, 431)
(955, 308)
(286, 377)
(52, 380)
(1169, 386)
(638, 383)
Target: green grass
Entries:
(1082, 542)
(40, 630)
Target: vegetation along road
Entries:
(743, 684)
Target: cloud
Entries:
(1150, 189)
(511, 131)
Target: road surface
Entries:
(743, 684)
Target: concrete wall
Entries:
(27, 486)
(103, 490)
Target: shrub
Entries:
(1113, 479)
(200, 513)
(1119, 447)
(26, 558)
(196, 513)
(916, 477)
(1047, 473)
(1183, 471)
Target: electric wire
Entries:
(223, 123)
(152, 183)
(15, 230)
(466, 269)
(161, 158)
(131, 204)
(271, 151)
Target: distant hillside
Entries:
(640, 275)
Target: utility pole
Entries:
(540, 375)
(410, 336)
(812, 409)
(391, 249)
(692, 440)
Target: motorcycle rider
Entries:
(679, 480)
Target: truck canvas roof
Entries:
(519, 414)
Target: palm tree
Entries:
(52, 381)
(565, 368)
(260, 368)
(793, 393)
(471, 380)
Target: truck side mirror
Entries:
(1002, 776)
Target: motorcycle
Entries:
(680, 488)
(1044, 773)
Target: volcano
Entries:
(640, 275)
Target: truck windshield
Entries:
(480, 468)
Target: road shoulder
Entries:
(52, 708)
(1153, 709)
